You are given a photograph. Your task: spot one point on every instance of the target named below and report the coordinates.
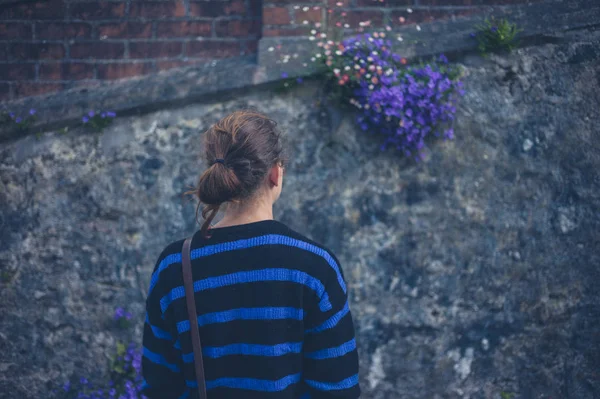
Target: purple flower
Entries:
(494, 29)
(284, 75)
(111, 114)
(83, 381)
(443, 58)
(12, 115)
(18, 120)
(85, 119)
(91, 114)
(67, 386)
(103, 115)
(473, 34)
(299, 80)
(32, 111)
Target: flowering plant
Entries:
(125, 374)
(406, 104)
(97, 120)
(122, 317)
(18, 121)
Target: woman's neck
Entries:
(255, 211)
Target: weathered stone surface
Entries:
(472, 274)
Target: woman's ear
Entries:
(274, 175)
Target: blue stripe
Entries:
(305, 396)
(270, 239)
(253, 276)
(159, 359)
(191, 384)
(333, 352)
(177, 345)
(331, 322)
(331, 386)
(166, 262)
(243, 314)
(144, 385)
(254, 384)
(185, 394)
(158, 333)
(247, 349)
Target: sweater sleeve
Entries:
(161, 363)
(330, 358)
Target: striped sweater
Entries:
(272, 313)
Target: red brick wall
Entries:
(51, 45)
(287, 17)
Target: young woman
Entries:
(272, 305)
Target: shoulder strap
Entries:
(193, 317)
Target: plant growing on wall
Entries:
(97, 120)
(406, 104)
(20, 122)
(125, 372)
(496, 35)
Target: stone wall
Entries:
(472, 274)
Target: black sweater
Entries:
(273, 315)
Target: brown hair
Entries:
(240, 149)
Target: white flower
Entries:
(409, 10)
(336, 71)
(313, 32)
(418, 28)
(312, 59)
(323, 35)
(371, 87)
(338, 52)
(311, 38)
(305, 9)
(271, 48)
(318, 55)
(400, 38)
(346, 68)
(305, 22)
(356, 66)
(368, 76)
(346, 26)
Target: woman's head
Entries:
(244, 152)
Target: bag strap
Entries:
(193, 317)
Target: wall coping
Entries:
(191, 84)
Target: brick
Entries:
(210, 49)
(354, 18)
(155, 49)
(17, 71)
(97, 50)
(423, 16)
(31, 10)
(97, 10)
(3, 51)
(237, 28)
(183, 29)
(16, 30)
(315, 2)
(62, 30)
(276, 16)
(217, 8)
(255, 8)
(472, 2)
(274, 32)
(123, 70)
(125, 30)
(249, 47)
(4, 92)
(164, 65)
(66, 71)
(37, 51)
(26, 89)
(157, 9)
(310, 15)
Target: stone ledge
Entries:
(194, 83)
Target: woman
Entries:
(272, 305)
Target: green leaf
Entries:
(121, 349)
